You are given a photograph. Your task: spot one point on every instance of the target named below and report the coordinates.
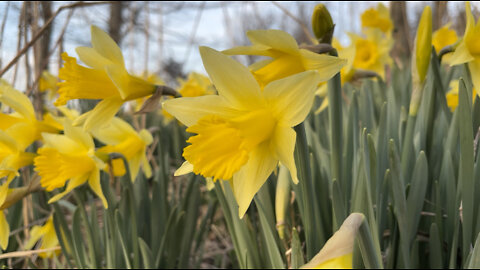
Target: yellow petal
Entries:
(4, 231)
(35, 234)
(474, 67)
(186, 167)
(250, 178)
(73, 183)
(284, 144)
(189, 110)
(291, 98)
(8, 141)
(3, 192)
(282, 66)
(256, 49)
(79, 136)
(134, 166)
(62, 143)
(147, 169)
(115, 132)
(105, 46)
(323, 106)
(7, 120)
(94, 183)
(326, 65)
(336, 253)
(92, 58)
(277, 39)
(232, 80)
(101, 115)
(24, 134)
(460, 55)
(16, 100)
(83, 83)
(130, 87)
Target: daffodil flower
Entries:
(468, 51)
(107, 79)
(194, 86)
(242, 133)
(370, 52)
(286, 57)
(18, 130)
(46, 234)
(444, 37)
(452, 95)
(121, 138)
(48, 82)
(377, 18)
(69, 157)
(337, 253)
(24, 116)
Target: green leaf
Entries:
(466, 172)
(435, 256)
(297, 254)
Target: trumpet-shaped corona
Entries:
(377, 18)
(69, 157)
(244, 131)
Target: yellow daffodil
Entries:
(421, 58)
(12, 151)
(107, 79)
(377, 18)
(48, 82)
(195, 85)
(243, 132)
(69, 157)
(372, 52)
(452, 95)
(468, 51)
(337, 253)
(286, 57)
(46, 234)
(24, 115)
(121, 138)
(444, 37)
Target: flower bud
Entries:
(282, 199)
(322, 24)
(421, 58)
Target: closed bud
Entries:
(282, 199)
(322, 24)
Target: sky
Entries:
(177, 29)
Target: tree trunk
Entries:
(401, 32)
(115, 21)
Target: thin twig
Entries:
(27, 253)
(44, 28)
(302, 25)
(57, 42)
